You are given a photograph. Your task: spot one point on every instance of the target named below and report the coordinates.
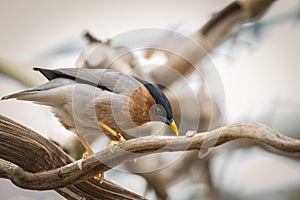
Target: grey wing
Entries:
(105, 79)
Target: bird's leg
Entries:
(86, 145)
(118, 136)
(89, 151)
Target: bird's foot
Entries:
(100, 177)
(85, 155)
(112, 143)
(118, 136)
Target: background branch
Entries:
(213, 33)
(19, 73)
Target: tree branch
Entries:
(83, 169)
(26, 153)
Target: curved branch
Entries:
(84, 169)
(22, 151)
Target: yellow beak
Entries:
(174, 127)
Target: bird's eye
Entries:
(160, 111)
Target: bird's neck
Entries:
(140, 105)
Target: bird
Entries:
(90, 101)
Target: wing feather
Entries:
(105, 79)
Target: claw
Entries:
(85, 155)
(100, 177)
(112, 143)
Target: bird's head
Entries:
(162, 109)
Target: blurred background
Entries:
(258, 66)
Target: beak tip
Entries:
(174, 127)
